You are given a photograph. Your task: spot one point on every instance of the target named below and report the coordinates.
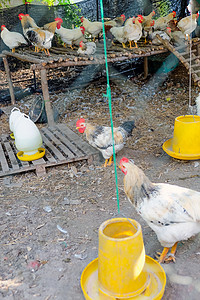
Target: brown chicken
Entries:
(100, 137)
(162, 22)
(93, 28)
(147, 19)
(173, 212)
(116, 22)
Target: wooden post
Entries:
(145, 67)
(45, 92)
(7, 69)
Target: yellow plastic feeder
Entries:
(122, 270)
(185, 143)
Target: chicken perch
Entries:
(100, 137)
(173, 212)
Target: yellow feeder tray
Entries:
(122, 270)
(12, 136)
(185, 143)
(26, 157)
(154, 290)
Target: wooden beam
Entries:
(7, 69)
(146, 70)
(46, 97)
(23, 57)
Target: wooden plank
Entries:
(23, 57)
(53, 148)
(7, 69)
(12, 156)
(67, 142)
(80, 143)
(58, 143)
(3, 161)
(47, 102)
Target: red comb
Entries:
(81, 120)
(58, 19)
(124, 160)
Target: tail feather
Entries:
(128, 126)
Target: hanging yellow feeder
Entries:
(185, 143)
(122, 270)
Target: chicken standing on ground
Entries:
(188, 24)
(173, 212)
(93, 28)
(71, 36)
(100, 137)
(12, 39)
(88, 48)
(162, 22)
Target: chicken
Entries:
(88, 48)
(147, 19)
(118, 33)
(133, 32)
(12, 39)
(93, 28)
(100, 137)
(165, 35)
(116, 22)
(70, 36)
(173, 212)
(162, 22)
(188, 24)
(130, 20)
(147, 29)
(39, 37)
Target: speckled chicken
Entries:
(173, 212)
(88, 48)
(100, 137)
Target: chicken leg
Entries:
(108, 162)
(13, 50)
(171, 256)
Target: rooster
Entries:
(173, 212)
(100, 137)
(71, 36)
(12, 39)
(188, 24)
(88, 48)
(162, 22)
(41, 38)
(93, 28)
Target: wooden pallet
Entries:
(61, 145)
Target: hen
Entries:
(173, 212)
(100, 137)
(88, 48)
(188, 24)
(133, 32)
(116, 22)
(71, 36)
(93, 28)
(12, 39)
(162, 22)
(165, 35)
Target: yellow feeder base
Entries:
(12, 136)
(37, 155)
(155, 288)
(167, 147)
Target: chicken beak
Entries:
(120, 167)
(77, 127)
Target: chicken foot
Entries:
(13, 50)
(163, 256)
(108, 162)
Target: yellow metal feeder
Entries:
(185, 143)
(122, 270)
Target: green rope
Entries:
(108, 95)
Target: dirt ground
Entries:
(49, 226)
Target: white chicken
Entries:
(12, 39)
(133, 32)
(165, 35)
(93, 28)
(188, 24)
(118, 33)
(173, 212)
(71, 36)
(88, 48)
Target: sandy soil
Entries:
(49, 226)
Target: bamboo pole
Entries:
(7, 69)
(46, 97)
(145, 67)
